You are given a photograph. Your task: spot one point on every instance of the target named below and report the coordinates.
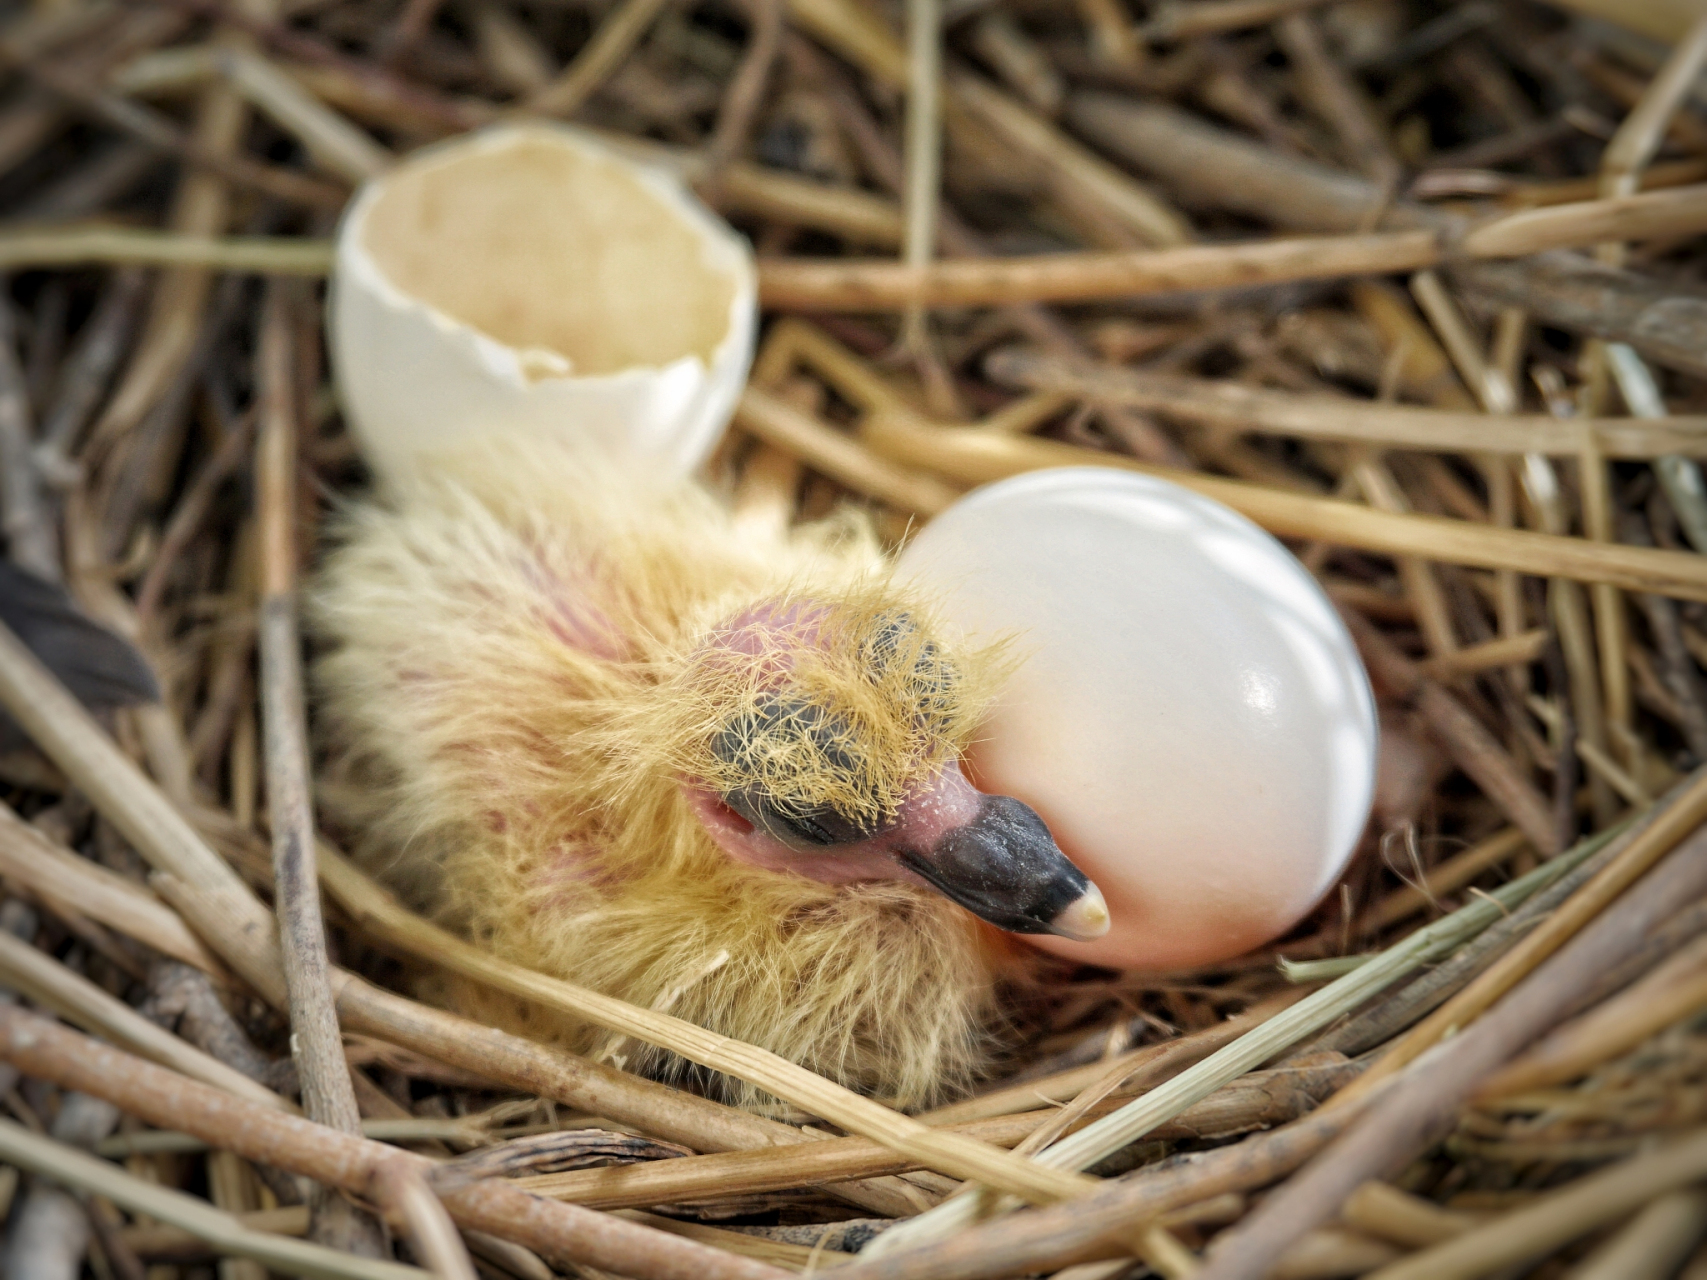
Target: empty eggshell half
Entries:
(527, 278)
(1187, 711)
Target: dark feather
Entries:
(100, 668)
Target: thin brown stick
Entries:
(83, 376)
(1176, 21)
(840, 456)
(1662, 319)
(191, 510)
(274, 255)
(1157, 1062)
(1654, 842)
(335, 144)
(1677, 668)
(1674, 990)
(45, 981)
(195, 1219)
(745, 94)
(379, 916)
(1077, 173)
(1088, 1228)
(168, 1100)
(1077, 277)
(409, 1199)
(1560, 1217)
(245, 933)
(62, 728)
(1336, 99)
(1471, 746)
(1260, 1100)
(30, 859)
(455, 115)
(1430, 990)
(157, 131)
(174, 327)
(316, 1045)
(1417, 1114)
(599, 57)
(975, 457)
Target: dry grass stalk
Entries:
(224, 1232)
(492, 1054)
(1475, 750)
(381, 918)
(1177, 21)
(1330, 418)
(1080, 277)
(921, 190)
(842, 457)
(157, 131)
(334, 143)
(1671, 992)
(1444, 878)
(1278, 1033)
(341, 1160)
(1152, 1064)
(1261, 1100)
(1383, 1211)
(1560, 1217)
(142, 247)
(1139, 210)
(62, 728)
(201, 208)
(1084, 1230)
(611, 43)
(316, 1045)
(809, 156)
(30, 860)
(745, 94)
(1683, 815)
(1417, 1114)
(31, 541)
(977, 458)
(53, 986)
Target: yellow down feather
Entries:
(525, 650)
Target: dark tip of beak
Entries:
(1004, 867)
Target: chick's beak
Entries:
(1004, 867)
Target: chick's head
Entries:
(822, 737)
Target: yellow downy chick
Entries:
(577, 716)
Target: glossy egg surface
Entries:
(1187, 711)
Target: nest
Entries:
(1414, 285)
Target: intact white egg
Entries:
(529, 279)
(1187, 712)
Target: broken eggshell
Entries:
(1187, 711)
(527, 278)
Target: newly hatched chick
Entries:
(577, 716)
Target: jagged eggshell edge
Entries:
(412, 379)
